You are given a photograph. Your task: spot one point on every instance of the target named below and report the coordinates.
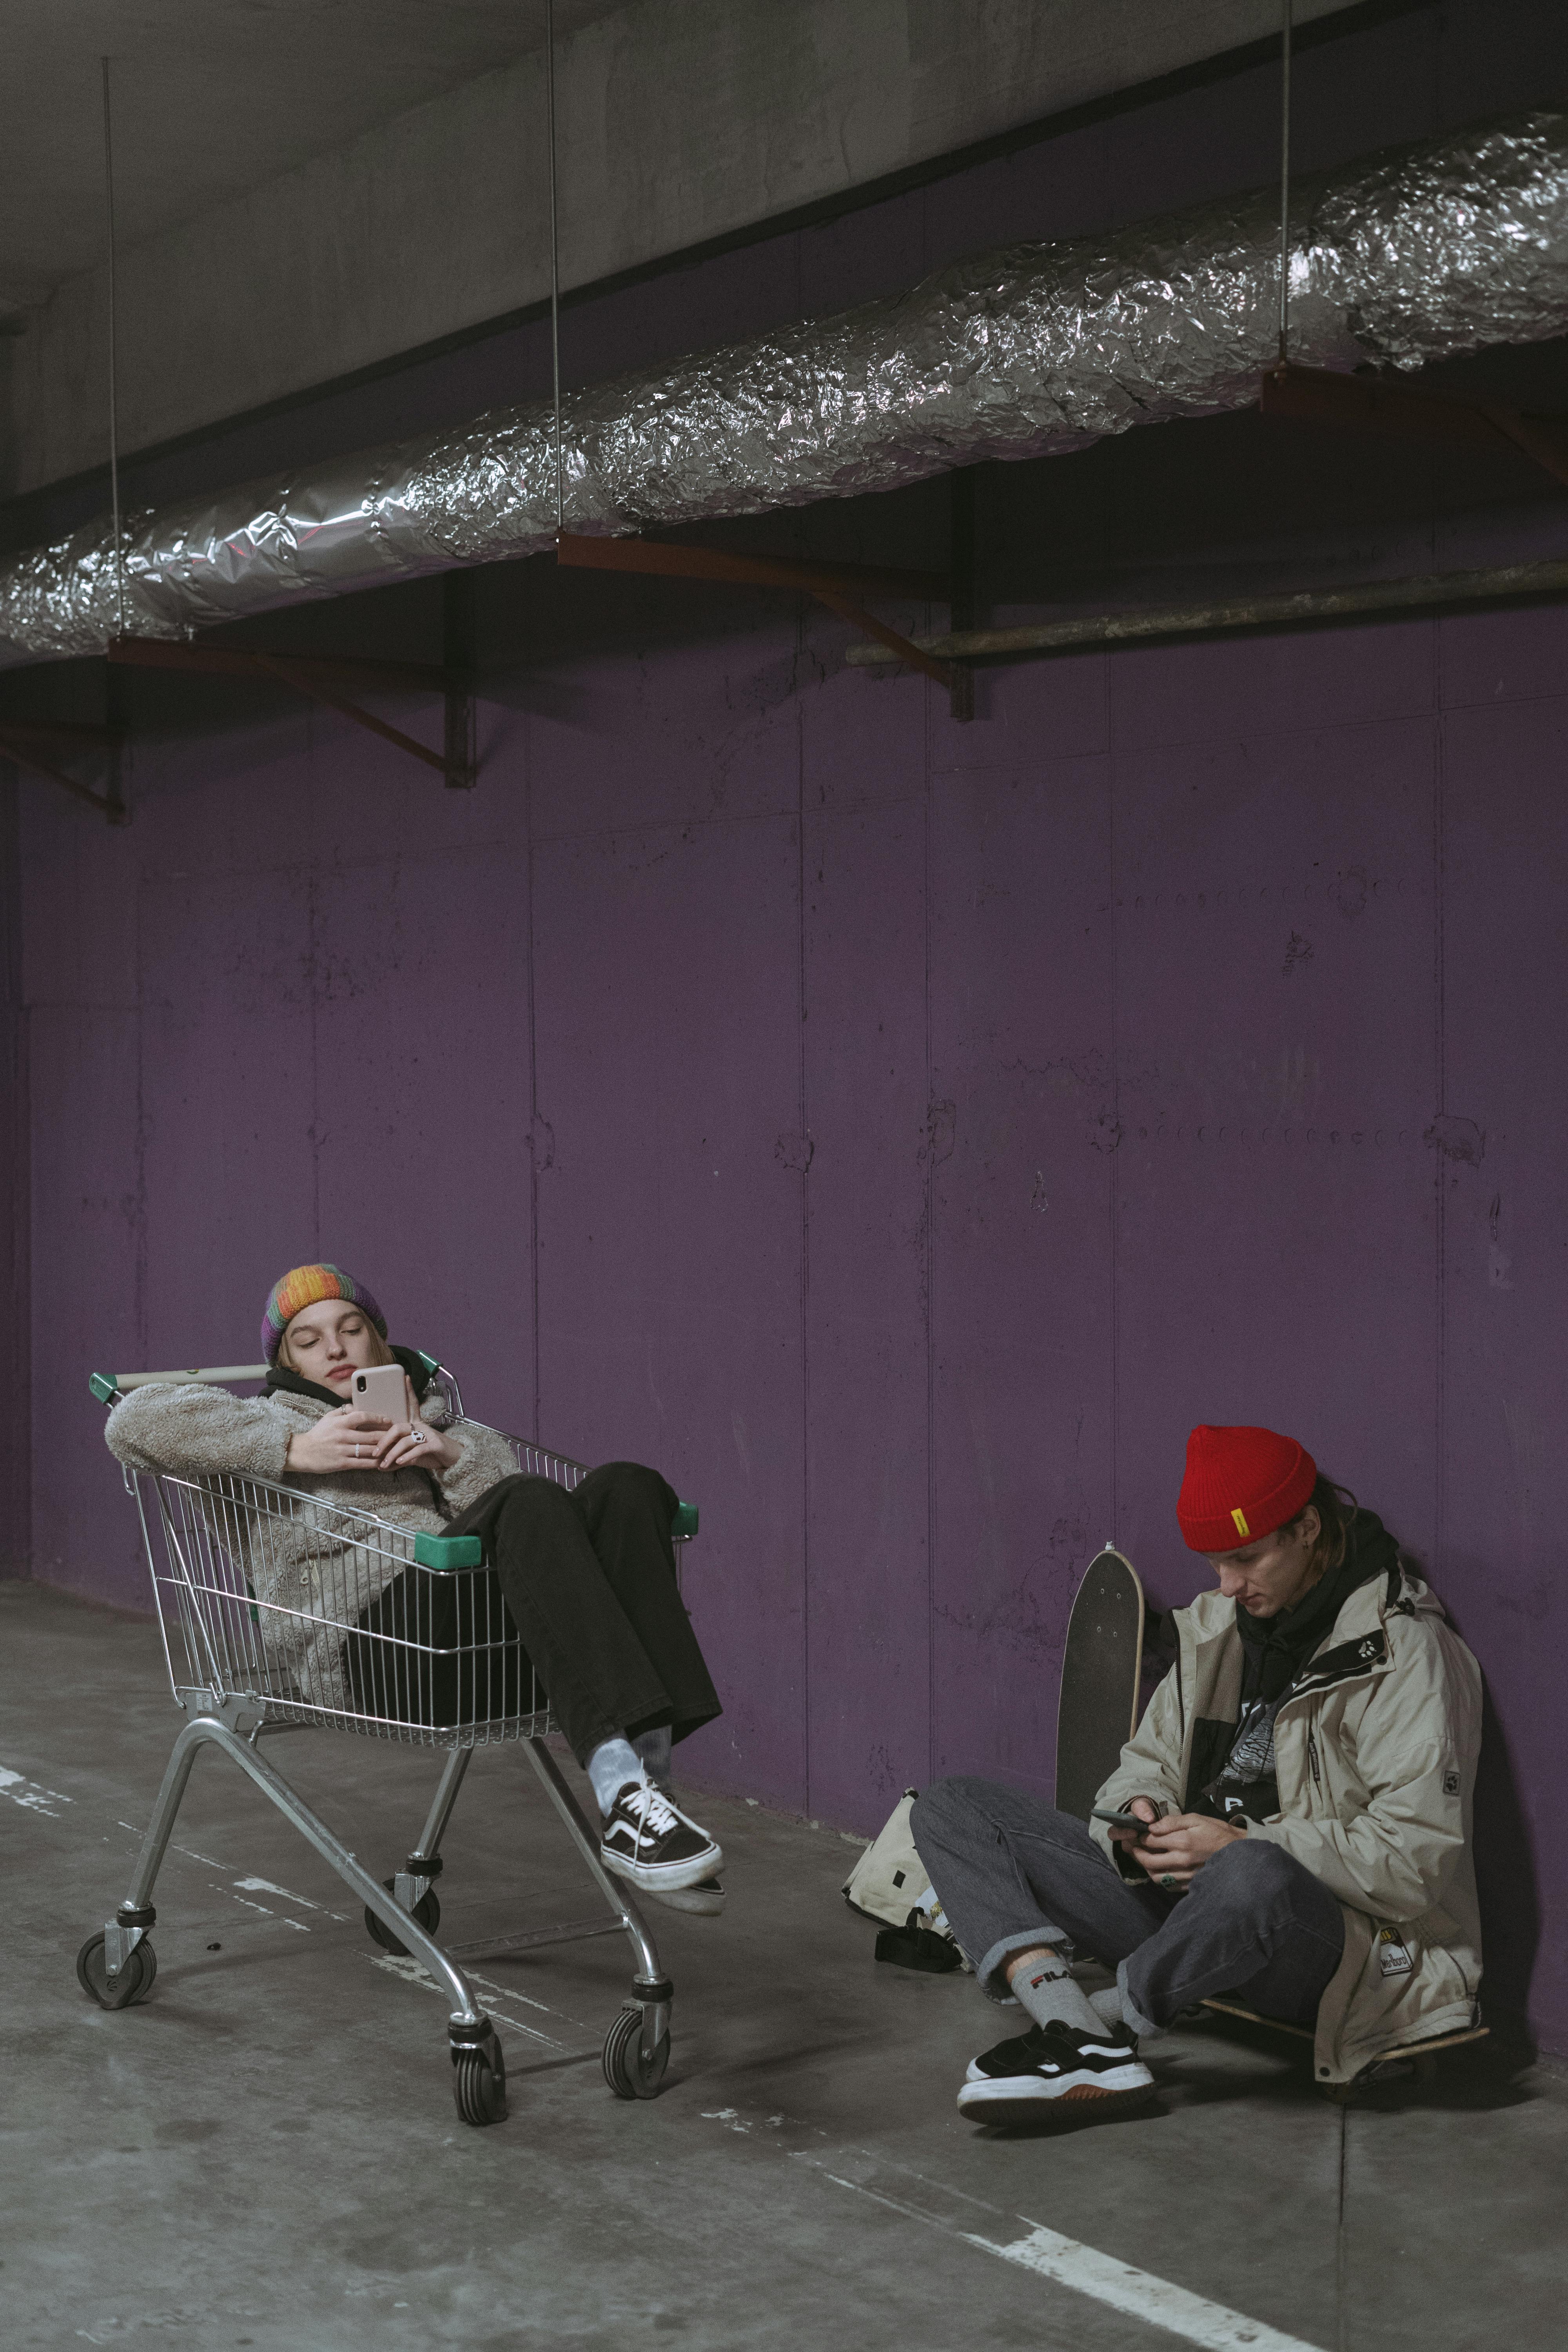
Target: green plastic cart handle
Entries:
(684, 1523)
(446, 1552)
(103, 1385)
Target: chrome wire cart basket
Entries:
(444, 1670)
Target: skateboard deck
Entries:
(1102, 1666)
(1418, 2058)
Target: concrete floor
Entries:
(267, 2154)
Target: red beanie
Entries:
(1241, 1484)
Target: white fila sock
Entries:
(612, 1764)
(1051, 1995)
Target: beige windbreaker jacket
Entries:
(310, 1585)
(1375, 1750)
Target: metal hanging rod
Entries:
(554, 256)
(1285, 31)
(113, 367)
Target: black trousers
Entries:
(580, 1588)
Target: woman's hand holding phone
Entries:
(411, 1444)
(349, 1439)
(345, 1439)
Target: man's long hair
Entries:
(1336, 1507)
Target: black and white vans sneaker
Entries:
(1018, 2081)
(650, 1841)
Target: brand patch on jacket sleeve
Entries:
(1339, 1664)
(1450, 1784)
(1393, 1956)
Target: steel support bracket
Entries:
(324, 679)
(839, 586)
(26, 740)
(1380, 404)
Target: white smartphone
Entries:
(378, 1389)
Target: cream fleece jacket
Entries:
(313, 1566)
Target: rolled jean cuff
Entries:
(1131, 2015)
(1027, 1939)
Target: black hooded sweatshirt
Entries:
(1232, 1764)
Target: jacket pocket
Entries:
(1312, 1760)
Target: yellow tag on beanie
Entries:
(1242, 1528)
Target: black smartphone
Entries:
(1124, 1820)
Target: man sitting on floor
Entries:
(1306, 1770)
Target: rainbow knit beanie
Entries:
(306, 1285)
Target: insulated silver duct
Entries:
(1415, 255)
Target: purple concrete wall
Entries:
(923, 1126)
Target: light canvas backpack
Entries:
(889, 1883)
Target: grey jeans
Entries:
(1011, 1873)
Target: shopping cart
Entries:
(446, 1670)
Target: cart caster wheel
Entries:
(480, 2085)
(134, 1983)
(426, 1914)
(628, 2073)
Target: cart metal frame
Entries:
(242, 1669)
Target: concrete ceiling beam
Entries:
(680, 120)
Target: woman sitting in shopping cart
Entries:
(579, 1591)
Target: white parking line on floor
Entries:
(1139, 2293)
(415, 1972)
(269, 1886)
(31, 1794)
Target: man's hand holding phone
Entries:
(1128, 1828)
(1172, 1850)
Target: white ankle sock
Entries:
(1049, 1993)
(612, 1764)
(1106, 2005)
(653, 1748)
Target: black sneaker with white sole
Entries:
(1018, 2080)
(650, 1841)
